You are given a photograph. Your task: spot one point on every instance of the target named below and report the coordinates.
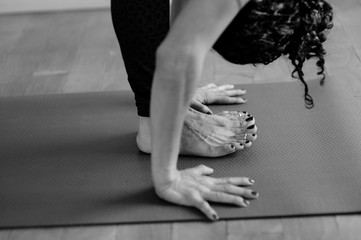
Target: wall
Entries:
(15, 6)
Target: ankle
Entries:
(144, 135)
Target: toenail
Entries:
(249, 119)
(247, 142)
(253, 135)
(251, 127)
(244, 112)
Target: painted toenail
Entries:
(247, 142)
(251, 127)
(244, 112)
(253, 135)
(249, 119)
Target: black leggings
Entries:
(140, 26)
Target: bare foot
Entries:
(207, 135)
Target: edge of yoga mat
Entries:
(72, 160)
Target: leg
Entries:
(140, 28)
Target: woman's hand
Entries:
(213, 94)
(192, 187)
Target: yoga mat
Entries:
(72, 159)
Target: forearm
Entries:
(173, 86)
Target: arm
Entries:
(179, 66)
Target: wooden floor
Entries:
(78, 52)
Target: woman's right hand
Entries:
(193, 187)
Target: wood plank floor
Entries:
(78, 52)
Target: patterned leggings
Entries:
(140, 26)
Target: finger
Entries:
(207, 210)
(222, 197)
(225, 87)
(235, 190)
(203, 170)
(239, 181)
(235, 92)
(201, 108)
(229, 100)
(211, 85)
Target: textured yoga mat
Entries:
(72, 159)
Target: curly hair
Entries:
(266, 29)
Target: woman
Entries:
(261, 31)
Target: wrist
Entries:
(163, 177)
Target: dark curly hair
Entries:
(266, 29)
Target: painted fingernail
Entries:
(215, 217)
(251, 180)
(251, 127)
(249, 119)
(254, 193)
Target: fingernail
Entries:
(251, 180)
(209, 113)
(249, 119)
(254, 193)
(215, 217)
(251, 127)
(246, 202)
(244, 99)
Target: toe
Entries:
(239, 146)
(223, 150)
(251, 137)
(248, 144)
(251, 129)
(250, 121)
(246, 137)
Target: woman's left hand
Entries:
(213, 94)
